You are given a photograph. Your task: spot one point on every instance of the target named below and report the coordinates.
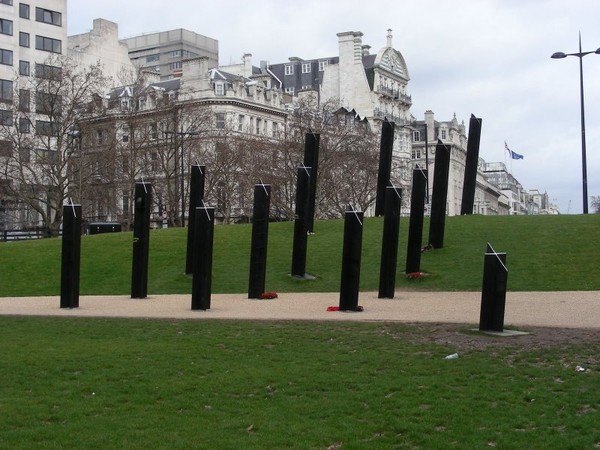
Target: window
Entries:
(24, 68)
(219, 89)
(24, 125)
(6, 2)
(46, 156)
(241, 122)
(305, 67)
(289, 90)
(176, 54)
(6, 57)
(25, 153)
(24, 100)
(275, 128)
(48, 16)
(46, 128)
(46, 103)
(151, 58)
(125, 133)
(154, 163)
(176, 65)
(6, 90)
(443, 134)
(6, 27)
(322, 65)
(23, 10)
(153, 131)
(6, 148)
(24, 39)
(220, 120)
(100, 137)
(48, 72)
(125, 201)
(289, 70)
(258, 125)
(416, 136)
(48, 44)
(6, 118)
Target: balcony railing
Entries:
(395, 94)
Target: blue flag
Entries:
(512, 154)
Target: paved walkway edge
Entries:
(569, 309)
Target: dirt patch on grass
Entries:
(463, 338)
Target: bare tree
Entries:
(348, 157)
(39, 130)
(596, 204)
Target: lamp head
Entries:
(597, 52)
(559, 55)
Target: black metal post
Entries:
(260, 237)
(415, 229)
(389, 244)
(70, 261)
(300, 227)
(203, 256)
(470, 176)
(493, 292)
(385, 164)
(311, 159)
(439, 195)
(141, 239)
(197, 177)
(350, 281)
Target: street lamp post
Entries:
(181, 135)
(580, 55)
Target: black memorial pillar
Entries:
(415, 228)
(389, 244)
(493, 291)
(203, 257)
(470, 177)
(385, 164)
(311, 159)
(351, 254)
(260, 236)
(71, 251)
(300, 226)
(439, 195)
(141, 239)
(197, 177)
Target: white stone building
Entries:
(489, 199)
(164, 52)
(157, 129)
(30, 33)
(101, 44)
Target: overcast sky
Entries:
(488, 58)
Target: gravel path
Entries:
(579, 309)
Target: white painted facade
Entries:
(31, 32)
(102, 44)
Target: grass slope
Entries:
(543, 253)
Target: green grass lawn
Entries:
(138, 384)
(543, 253)
(141, 384)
